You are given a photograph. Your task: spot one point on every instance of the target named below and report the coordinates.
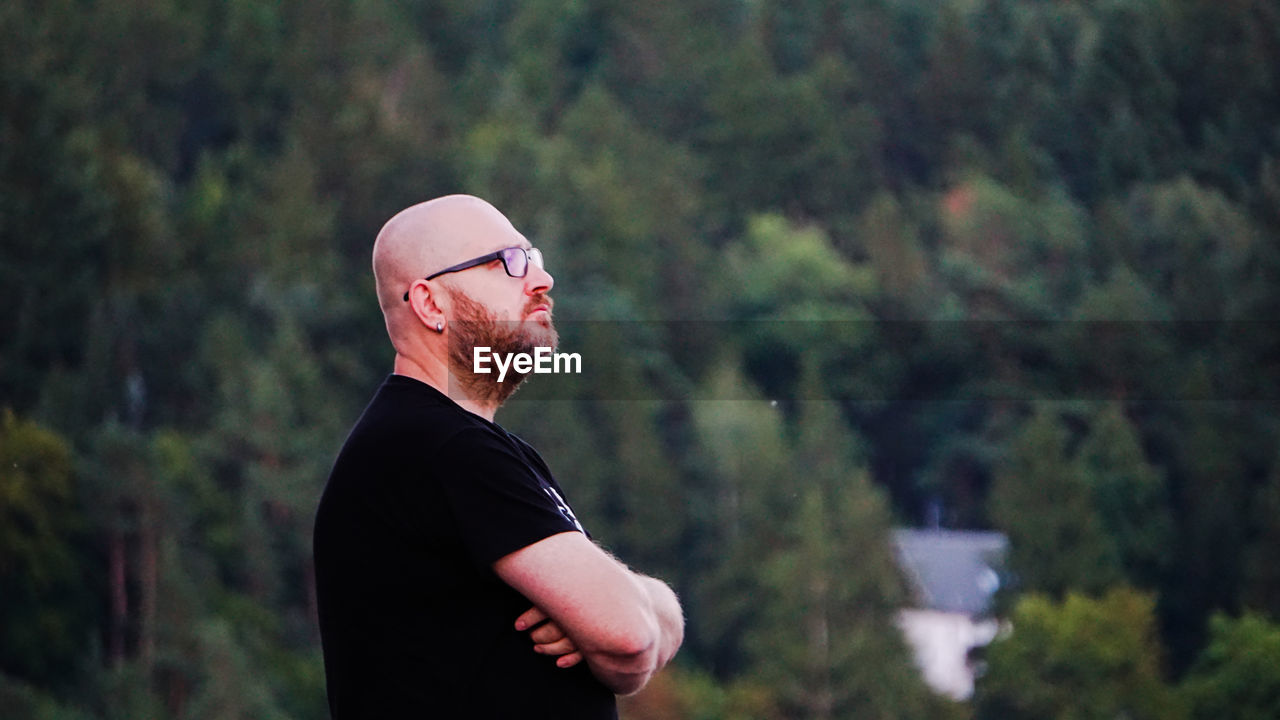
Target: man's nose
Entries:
(538, 280)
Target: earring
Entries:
(440, 327)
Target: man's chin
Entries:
(542, 333)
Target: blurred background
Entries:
(954, 310)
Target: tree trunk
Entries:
(148, 581)
(119, 598)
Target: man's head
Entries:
(441, 296)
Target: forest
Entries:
(832, 268)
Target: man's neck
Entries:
(438, 377)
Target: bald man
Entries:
(453, 579)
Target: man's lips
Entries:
(544, 306)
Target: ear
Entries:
(422, 303)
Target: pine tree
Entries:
(1130, 496)
(745, 484)
(1262, 572)
(827, 641)
(1057, 540)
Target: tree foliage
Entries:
(1020, 255)
(1236, 677)
(1077, 659)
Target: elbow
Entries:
(631, 659)
(636, 654)
(632, 637)
(642, 651)
(637, 645)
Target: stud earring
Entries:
(440, 327)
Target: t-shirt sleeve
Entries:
(497, 500)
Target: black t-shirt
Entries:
(422, 500)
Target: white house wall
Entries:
(941, 642)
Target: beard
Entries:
(474, 326)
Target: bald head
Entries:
(427, 237)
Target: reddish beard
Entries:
(474, 326)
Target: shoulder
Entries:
(408, 433)
(415, 415)
(477, 451)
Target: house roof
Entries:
(951, 570)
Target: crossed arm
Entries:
(589, 606)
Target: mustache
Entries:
(538, 301)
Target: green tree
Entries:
(1126, 99)
(1058, 542)
(44, 621)
(804, 144)
(893, 248)
(663, 60)
(625, 203)
(1262, 573)
(1119, 342)
(21, 701)
(956, 92)
(188, 193)
(1077, 659)
(1214, 490)
(1034, 122)
(794, 298)
(826, 641)
(134, 512)
(742, 450)
(78, 207)
(1190, 244)
(1011, 257)
(230, 685)
(1237, 676)
(1221, 62)
(1130, 495)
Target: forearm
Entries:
(670, 619)
(625, 625)
(628, 673)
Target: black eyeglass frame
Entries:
(532, 256)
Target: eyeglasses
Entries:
(515, 260)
